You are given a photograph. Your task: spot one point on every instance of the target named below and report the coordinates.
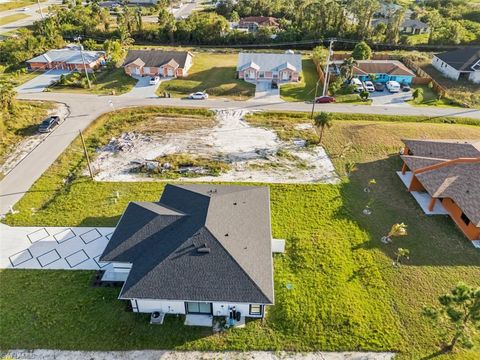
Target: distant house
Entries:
(67, 59)
(253, 23)
(384, 70)
(158, 62)
(265, 66)
(463, 63)
(444, 175)
(388, 9)
(201, 250)
(408, 26)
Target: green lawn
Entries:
(17, 127)
(12, 18)
(17, 4)
(213, 73)
(345, 294)
(305, 89)
(105, 82)
(430, 98)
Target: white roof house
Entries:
(269, 62)
(68, 56)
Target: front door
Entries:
(199, 308)
(170, 72)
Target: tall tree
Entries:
(459, 314)
(346, 69)
(362, 51)
(321, 122)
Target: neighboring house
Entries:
(284, 67)
(409, 26)
(463, 63)
(201, 250)
(449, 172)
(158, 62)
(253, 23)
(387, 10)
(384, 70)
(67, 59)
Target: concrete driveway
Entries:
(264, 91)
(143, 89)
(39, 83)
(386, 98)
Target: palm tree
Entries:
(346, 69)
(322, 121)
(399, 229)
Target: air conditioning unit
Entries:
(157, 317)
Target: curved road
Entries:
(85, 108)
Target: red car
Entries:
(325, 99)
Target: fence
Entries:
(423, 78)
(343, 56)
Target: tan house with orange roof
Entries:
(447, 172)
(171, 64)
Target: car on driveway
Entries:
(406, 88)
(325, 99)
(274, 84)
(393, 86)
(357, 83)
(379, 86)
(154, 80)
(368, 85)
(49, 124)
(198, 96)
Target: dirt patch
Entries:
(237, 152)
(23, 148)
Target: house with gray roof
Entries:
(158, 63)
(284, 67)
(69, 58)
(446, 173)
(462, 63)
(200, 250)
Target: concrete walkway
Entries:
(194, 355)
(66, 248)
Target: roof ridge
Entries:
(445, 163)
(236, 262)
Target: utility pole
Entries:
(325, 78)
(325, 83)
(41, 12)
(86, 154)
(78, 38)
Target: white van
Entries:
(393, 86)
(358, 84)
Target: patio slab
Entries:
(67, 248)
(422, 198)
(199, 320)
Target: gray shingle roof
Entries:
(459, 181)
(270, 62)
(461, 59)
(161, 241)
(157, 58)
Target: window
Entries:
(465, 219)
(255, 309)
(199, 308)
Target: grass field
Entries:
(305, 89)
(345, 294)
(17, 127)
(12, 18)
(213, 73)
(430, 98)
(17, 4)
(105, 82)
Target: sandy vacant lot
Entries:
(247, 153)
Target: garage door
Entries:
(170, 72)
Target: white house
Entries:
(463, 63)
(284, 67)
(202, 251)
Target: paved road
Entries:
(33, 12)
(85, 108)
(186, 10)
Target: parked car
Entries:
(368, 85)
(357, 83)
(379, 86)
(154, 80)
(406, 87)
(325, 99)
(25, 9)
(393, 86)
(274, 84)
(49, 124)
(198, 96)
